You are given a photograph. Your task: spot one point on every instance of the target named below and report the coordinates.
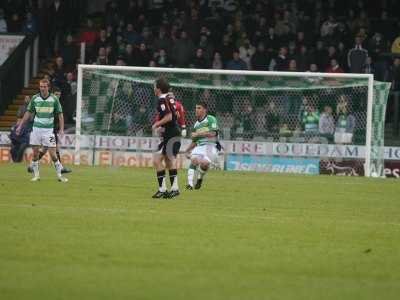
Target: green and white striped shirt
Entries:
(44, 110)
(209, 123)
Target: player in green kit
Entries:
(204, 147)
(44, 105)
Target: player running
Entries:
(170, 144)
(204, 147)
(44, 105)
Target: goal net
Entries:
(336, 121)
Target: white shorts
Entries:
(42, 137)
(208, 152)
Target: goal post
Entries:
(275, 109)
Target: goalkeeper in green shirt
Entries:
(204, 147)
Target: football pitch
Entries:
(243, 236)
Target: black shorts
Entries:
(169, 146)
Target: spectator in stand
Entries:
(272, 40)
(236, 63)
(120, 61)
(345, 125)
(331, 53)
(14, 25)
(112, 12)
(111, 56)
(142, 56)
(260, 60)
(282, 61)
(328, 27)
(327, 124)
(321, 55)
(292, 66)
(272, 119)
(162, 59)
(131, 36)
(377, 45)
(129, 56)
(102, 58)
(342, 56)
(111, 36)
(69, 53)
(334, 67)
(162, 41)
(89, 36)
(246, 51)
(303, 59)
(396, 46)
(292, 50)
(357, 57)
(148, 37)
(369, 66)
(313, 68)
(59, 76)
(101, 41)
(226, 49)
(199, 61)
(3, 22)
(69, 98)
(217, 62)
(207, 46)
(311, 120)
(361, 22)
(30, 25)
(58, 15)
(395, 74)
(182, 50)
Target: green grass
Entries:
(244, 236)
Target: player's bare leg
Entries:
(191, 173)
(42, 152)
(35, 164)
(57, 164)
(203, 168)
(64, 169)
(171, 164)
(158, 161)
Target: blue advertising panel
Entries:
(272, 164)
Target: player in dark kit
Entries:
(168, 149)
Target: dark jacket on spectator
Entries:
(260, 61)
(356, 59)
(239, 64)
(182, 52)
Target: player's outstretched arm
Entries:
(25, 118)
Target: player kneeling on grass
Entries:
(204, 147)
(43, 150)
(44, 105)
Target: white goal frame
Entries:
(369, 77)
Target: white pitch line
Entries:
(231, 216)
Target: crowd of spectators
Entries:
(309, 35)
